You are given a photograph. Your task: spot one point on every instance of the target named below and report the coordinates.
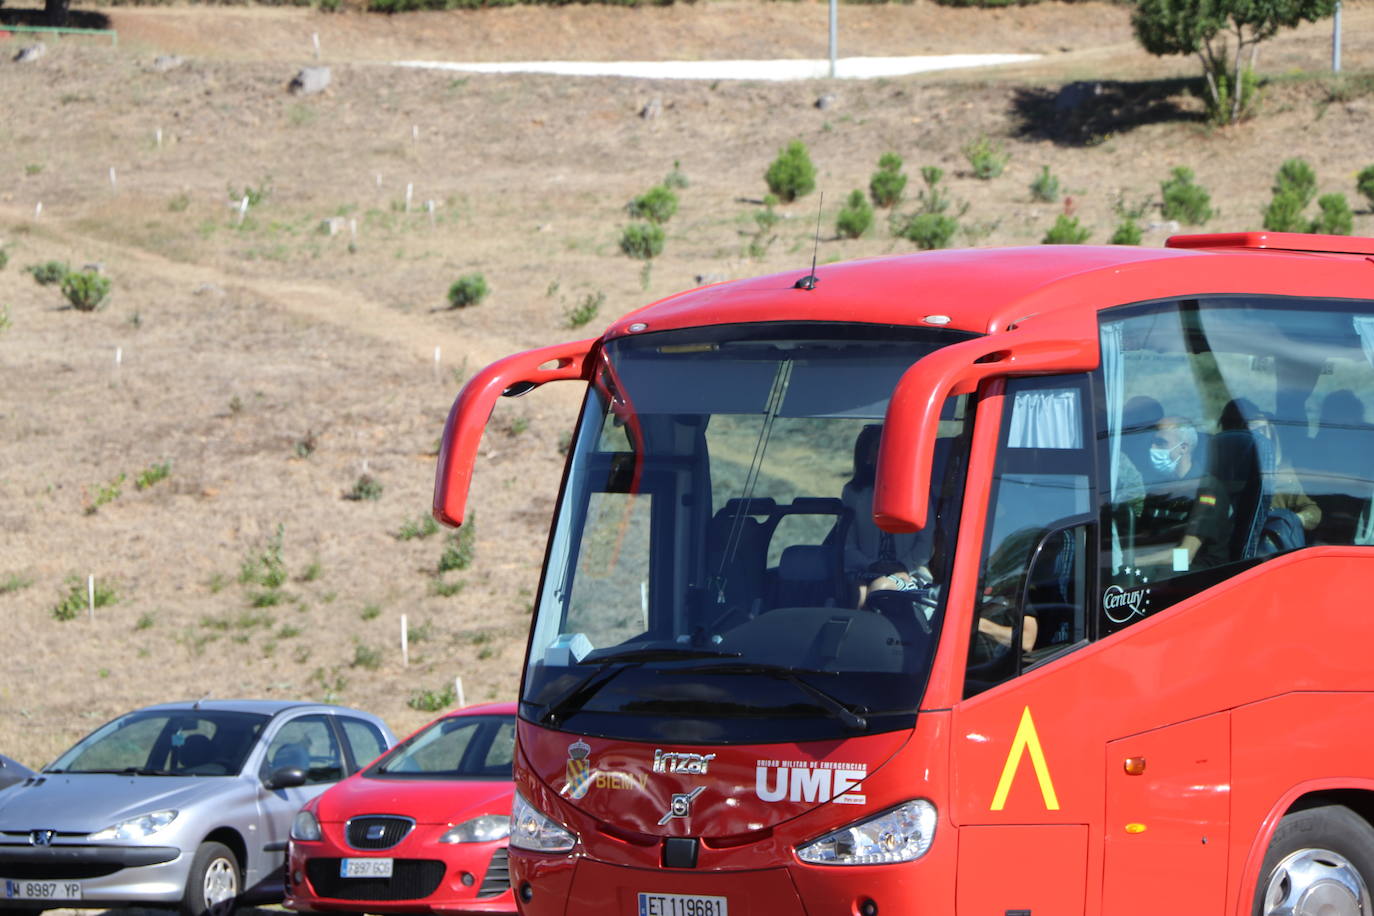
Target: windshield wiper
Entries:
(577, 697)
(852, 720)
(125, 771)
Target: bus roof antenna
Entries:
(809, 281)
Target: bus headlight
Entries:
(533, 830)
(900, 834)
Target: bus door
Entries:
(1026, 773)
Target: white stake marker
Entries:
(243, 209)
(114, 185)
(90, 594)
(315, 38)
(410, 193)
(458, 690)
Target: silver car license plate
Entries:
(681, 905)
(365, 868)
(18, 889)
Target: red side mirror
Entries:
(901, 494)
(468, 417)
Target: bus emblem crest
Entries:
(1120, 604)
(579, 769)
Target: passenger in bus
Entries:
(874, 559)
(1291, 512)
(1338, 466)
(1206, 529)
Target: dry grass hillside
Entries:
(269, 366)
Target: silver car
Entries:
(182, 804)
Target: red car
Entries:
(423, 829)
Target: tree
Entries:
(55, 11)
(1208, 29)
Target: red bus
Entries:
(1005, 582)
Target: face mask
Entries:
(1160, 458)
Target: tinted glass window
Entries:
(1236, 429)
(457, 747)
(1033, 586)
(308, 744)
(366, 740)
(183, 742)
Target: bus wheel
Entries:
(1320, 863)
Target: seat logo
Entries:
(41, 837)
(681, 805)
(375, 831)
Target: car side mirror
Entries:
(285, 778)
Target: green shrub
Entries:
(86, 290)
(929, 230)
(1284, 213)
(266, 568)
(1183, 200)
(78, 598)
(1127, 233)
(1222, 110)
(585, 309)
(4, 318)
(1336, 217)
(369, 657)
(986, 158)
(768, 217)
(433, 700)
(106, 494)
(152, 474)
(469, 289)
(459, 548)
(888, 183)
(932, 198)
(4, 258)
(366, 487)
(657, 205)
(422, 527)
(1045, 187)
(1296, 176)
(1066, 231)
(643, 241)
(856, 217)
(49, 272)
(677, 178)
(791, 175)
(255, 195)
(1364, 183)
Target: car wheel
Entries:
(1321, 861)
(212, 887)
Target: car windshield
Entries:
(460, 747)
(714, 573)
(178, 742)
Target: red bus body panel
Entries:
(1230, 706)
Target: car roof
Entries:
(505, 708)
(261, 707)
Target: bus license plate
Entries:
(680, 905)
(365, 868)
(40, 890)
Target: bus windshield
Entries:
(714, 574)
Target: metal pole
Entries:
(1336, 40)
(834, 33)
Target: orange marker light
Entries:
(1134, 766)
(1135, 828)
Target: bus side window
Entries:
(1232, 429)
(1033, 587)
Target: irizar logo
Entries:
(1120, 604)
(809, 781)
(689, 764)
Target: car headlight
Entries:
(136, 828)
(533, 830)
(306, 827)
(900, 834)
(482, 829)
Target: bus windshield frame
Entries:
(714, 574)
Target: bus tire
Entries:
(1321, 860)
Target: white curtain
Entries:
(1046, 418)
(1114, 380)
